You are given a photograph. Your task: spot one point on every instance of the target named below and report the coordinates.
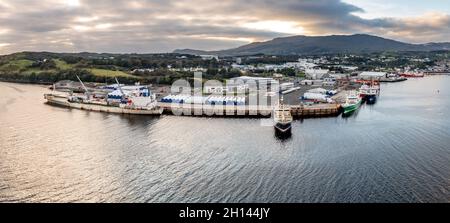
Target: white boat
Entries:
(352, 102)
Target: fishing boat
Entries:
(136, 99)
(412, 74)
(393, 79)
(283, 119)
(369, 92)
(352, 102)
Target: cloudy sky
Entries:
(145, 26)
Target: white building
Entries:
(307, 82)
(348, 68)
(259, 81)
(277, 75)
(209, 57)
(339, 76)
(142, 70)
(329, 81)
(303, 63)
(235, 88)
(316, 73)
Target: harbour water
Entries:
(397, 150)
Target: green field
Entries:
(24, 67)
(62, 65)
(16, 65)
(108, 73)
(47, 68)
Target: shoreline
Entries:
(24, 82)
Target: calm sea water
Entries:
(397, 150)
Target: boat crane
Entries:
(118, 86)
(86, 91)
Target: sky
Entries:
(155, 26)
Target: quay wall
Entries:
(297, 111)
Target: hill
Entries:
(48, 67)
(303, 45)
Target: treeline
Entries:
(261, 59)
(370, 64)
(126, 61)
(152, 61)
(44, 65)
(224, 73)
(47, 77)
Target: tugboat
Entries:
(283, 119)
(352, 103)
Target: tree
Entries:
(288, 72)
(212, 72)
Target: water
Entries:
(397, 150)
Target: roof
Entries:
(316, 71)
(252, 78)
(116, 93)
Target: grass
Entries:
(24, 66)
(62, 65)
(108, 73)
(15, 65)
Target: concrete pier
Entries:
(215, 110)
(297, 111)
(318, 110)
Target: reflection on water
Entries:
(394, 151)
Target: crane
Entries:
(85, 88)
(120, 88)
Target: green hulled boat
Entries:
(352, 103)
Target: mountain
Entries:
(358, 43)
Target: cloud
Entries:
(164, 25)
(430, 27)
